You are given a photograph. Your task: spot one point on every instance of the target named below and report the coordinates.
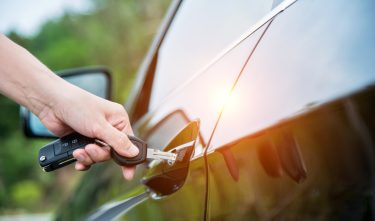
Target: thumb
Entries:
(117, 140)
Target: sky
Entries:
(27, 16)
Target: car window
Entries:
(199, 32)
(310, 55)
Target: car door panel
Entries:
(160, 126)
(201, 99)
(333, 169)
(296, 138)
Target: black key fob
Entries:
(59, 153)
(132, 161)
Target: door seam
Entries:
(219, 117)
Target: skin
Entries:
(64, 108)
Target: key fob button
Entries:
(57, 147)
(84, 141)
(75, 143)
(65, 146)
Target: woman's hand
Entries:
(77, 110)
(63, 107)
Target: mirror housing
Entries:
(96, 80)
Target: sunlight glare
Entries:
(224, 98)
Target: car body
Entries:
(279, 98)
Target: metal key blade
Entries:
(169, 156)
(160, 155)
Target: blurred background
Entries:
(66, 34)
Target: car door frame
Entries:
(138, 101)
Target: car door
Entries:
(190, 73)
(198, 97)
(296, 138)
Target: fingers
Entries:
(117, 140)
(128, 172)
(90, 155)
(97, 153)
(93, 154)
(81, 167)
(82, 157)
(128, 130)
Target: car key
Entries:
(59, 153)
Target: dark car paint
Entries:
(321, 167)
(273, 159)
(301, 144)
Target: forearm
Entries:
(24, 79)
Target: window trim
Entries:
(139, 97)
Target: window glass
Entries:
(199, 32)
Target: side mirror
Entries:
(94, 80)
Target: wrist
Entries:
(42, 92)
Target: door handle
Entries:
(163, 178)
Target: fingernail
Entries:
(133, 151)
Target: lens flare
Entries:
(225, 99)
